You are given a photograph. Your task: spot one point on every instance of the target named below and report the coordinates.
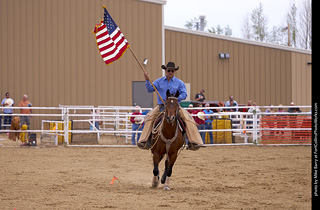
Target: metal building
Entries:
(47, 51)
(264, 73)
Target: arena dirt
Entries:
(224, 177)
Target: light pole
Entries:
(287, 28)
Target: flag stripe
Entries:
(116, 52)
(112, 49)
(110, 40)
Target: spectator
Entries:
(221, 104)
(25, 103)
(142, 125)
(254, 108)
(136, 121)
(7, 102)
(270, 123)
(95, 119)
(247, 110)
(200, 118)
(199, 96)
(249, 104)
(190, 110)
(232, 103)
(294, 110)
(280, 109)
(208, 122)
(270, 109)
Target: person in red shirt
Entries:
(25, 119)
(136, 121)
(190, 110)
(200, 118)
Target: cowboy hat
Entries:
(139, 119)
(201, 115)
(170, 65)
(9, 102)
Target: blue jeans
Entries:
(7, 120)
(202, 134)
(96, 124)
(208, 126)
(135, 128)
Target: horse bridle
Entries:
(178, 107)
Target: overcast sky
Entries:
(224, 12)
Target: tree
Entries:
(292, 24)
(246, 27)
(259, 23)
(305, 27)
(194, 24)
(227, 31)
(276, 36)
(219, 30)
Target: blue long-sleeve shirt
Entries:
(163, 85)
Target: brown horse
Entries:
(167, 139)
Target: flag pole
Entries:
(145, 72)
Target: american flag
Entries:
(110, 40)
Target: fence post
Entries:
(126, 121)
(66, 125)
(117, 121)
(255, 130)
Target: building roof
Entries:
(234, 39)
(163, 2)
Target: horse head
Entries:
(171, 106)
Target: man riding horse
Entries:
(173, 84)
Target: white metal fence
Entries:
(115, 123)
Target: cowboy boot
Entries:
(193, 146)
(145, 145)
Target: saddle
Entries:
(181, 124)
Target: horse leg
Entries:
(155, 180)
(168, 175)
(169, 171)
(164, 175)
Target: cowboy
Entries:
(173, 84)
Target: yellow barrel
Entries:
(23, 136)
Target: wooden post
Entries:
(144, 71)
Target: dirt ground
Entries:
(222, 177)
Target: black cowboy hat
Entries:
(170, 65)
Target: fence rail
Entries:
(253, 127)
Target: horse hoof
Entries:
(163, 180)
(155, 185)
(155, 182)
(166, 188)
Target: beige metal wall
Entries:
(47, 50)
(260, 73)
(301, 79)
